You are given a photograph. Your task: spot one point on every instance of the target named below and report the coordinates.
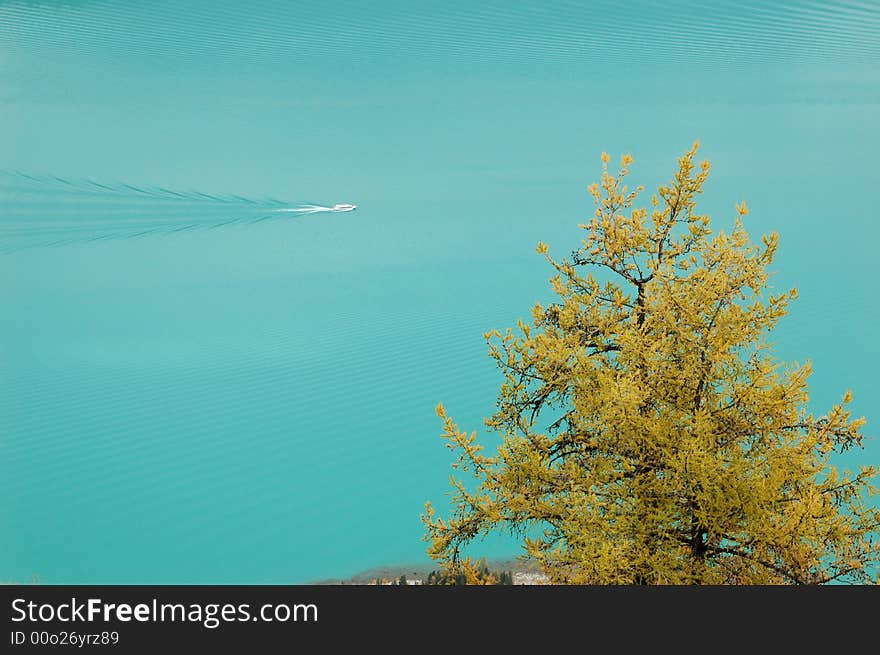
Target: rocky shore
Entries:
(522, 573)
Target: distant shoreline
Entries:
(420, 572)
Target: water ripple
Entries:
(47, 211)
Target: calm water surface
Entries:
(254, 403)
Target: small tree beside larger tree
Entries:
(648, 436)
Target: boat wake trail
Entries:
(43, 211)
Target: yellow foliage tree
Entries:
(648, 436)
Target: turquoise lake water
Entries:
(253, 402)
